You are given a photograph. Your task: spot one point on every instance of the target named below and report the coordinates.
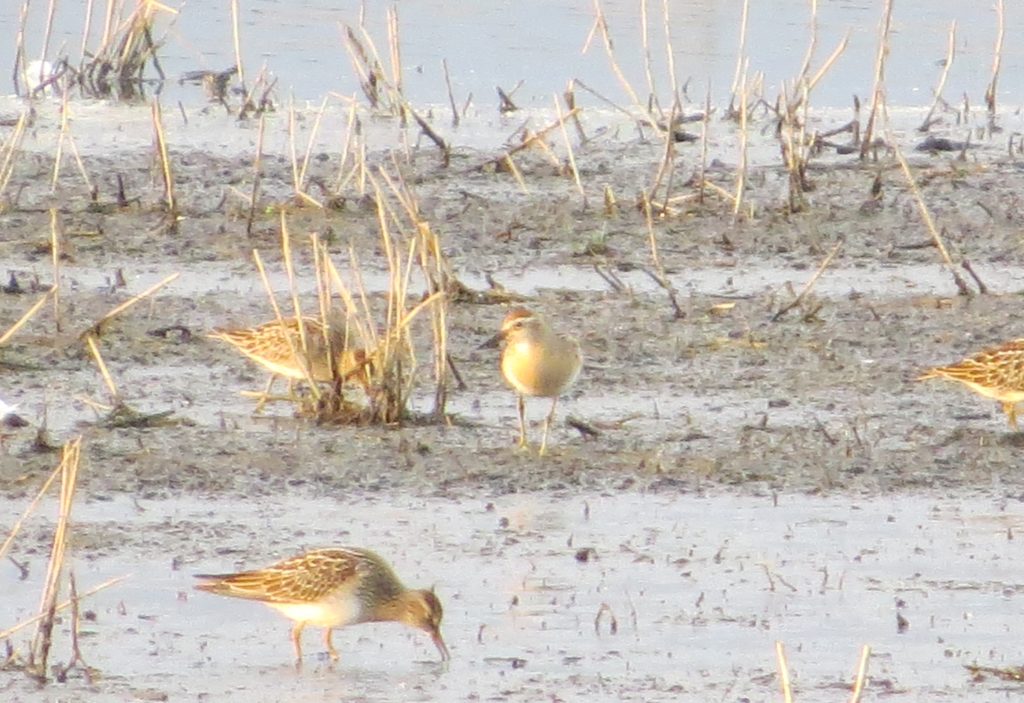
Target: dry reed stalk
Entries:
(13, 329)
(10, 149)
(299, 173)
(314, 388)
(257, 177)
(950, 55)
(645, 45)
(20, 73)
(809, 286)
(394, 43)
(90, 342)
(659, 275)
(702, 178)
(96, 328)
(878, 92)
(997, 60)
(164, 159)
(601, 24)
(534, 137)
(236, 40)
(666, 166)
(47, 33)
(437, 272)
(6, 546)
(43, 639)
(929, 222)
(741, 171)
(670, 56)
(862, 673)
(741, 59)
(784, 682)
(451, 93)
(55, 263)
(63, 605)
(86, 28)
(571, 155)
(351, 136)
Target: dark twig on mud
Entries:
(810, 283)
(982, 288)
(451, 93)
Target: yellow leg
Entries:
(1011, 414)
(547, 425)
(521, 407)
(297, 643)
(266, 395)
(331, 651)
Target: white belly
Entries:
(336, 612)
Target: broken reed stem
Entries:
(878, 92)
(48, 602)
(165, 165)
(926, 216)
(646, 48)
(670, 54)
(257, 176)
(601, 24)
(705, 123)
(741, 171)
(950, 55)
(810, 283)
(740, 57)
(63, 605)
(787, 689)
(13, 329)
(55, 262)
(667, 160)
(235, 35)
(90, 341)
(9, 150)
(299, 174)
(96, 327)
(659, 275)
(28, 511)
(451, 94)
(395, 46)
(997, 60)
(571, 155)
(862, 673)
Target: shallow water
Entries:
(497, 44)
(700, 587)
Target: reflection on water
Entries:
(490, 44)
(700, 589)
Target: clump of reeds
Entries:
(115, 68)
(36, 663)
(797, 145)
(373, 341)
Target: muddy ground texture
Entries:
(820, 399)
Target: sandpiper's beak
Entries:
(494, 341)
(439, 643)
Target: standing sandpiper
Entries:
(536, 361)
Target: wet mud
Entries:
(752, 476)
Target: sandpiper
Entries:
(997, 372)
(281, 347)
(332, 588)
(536, 361)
